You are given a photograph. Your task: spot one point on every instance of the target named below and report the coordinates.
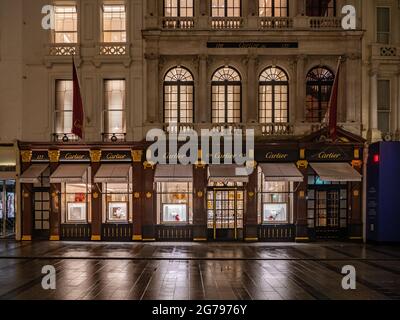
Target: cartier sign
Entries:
(265, 154)
(116, 155)
(330, 154)
(75, 156)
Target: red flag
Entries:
(333, 106)
(77, 108)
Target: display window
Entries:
(117, 202)
(275, 200)
(174, 202)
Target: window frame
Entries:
(273, 9)
(273, 84)
(178, 10)
(334, 8)
(226, 8)
(129, 187)
(226, 84)
(178, 83)
(103, 31)
(388, 33)
(385, 111)
(106, 112)
(55, 32)
(320, 84)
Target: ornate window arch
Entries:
(226, 96)
(273, 96)
(178, 96)
(319, 87)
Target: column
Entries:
(55, 199)
(138, 194)
(373, 133)
(294, 8)
(250, 214)
(200, 203)
(152, 61)
(301, 88)
(27, 199)
(201, 106)
(149, 218)
(300, 201)
(203, 13)
(353, 84)
(252, 88)
(355, 201)
(398, 103)
(95, 157)
(151, 14)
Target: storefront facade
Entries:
(298, 191)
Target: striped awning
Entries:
(113, 173)
(72, 173)
(281, 172)
(227, 173)
(173, 173)
(33, 173)
(337, 172)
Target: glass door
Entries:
(225, 214)
(7, 208)
(41, 212)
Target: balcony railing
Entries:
(63, 49)
(65, 137)
(218, 23)
(180, 23)
(277, 129)
(325, 23)
(276, 23)
(113, 49)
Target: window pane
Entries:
(383, 25)
(114, 23)
(66, 24)
(321, 8)
(384, 122)
(384, 95)
(115, 106)
(63, 106)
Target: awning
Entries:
(173, 173)
(8, 175)
(33, 173)
(113, 173)
(281, 172)
(340, 172)
(73, 173)
(227, 173)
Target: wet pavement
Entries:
(198, 271)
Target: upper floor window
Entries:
(383, 25)
(273, 96)
(273, 8)
(63, 110)
(319, 86)
(384, 106)
(178, 8)
(66, 24)
(226, 8)
(321, 8)
(114, 23)
(226, 96)
(178, 96)
(114, 110)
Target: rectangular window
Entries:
(178, 8)
(273, 8)
(384, 106)
(63, 110)
(76, 201)
(66, 24)
(321, 8)
(275, 200)
(174, 202)
(226, 8)
(114, 109)
(117, 202)
(114, 23)
(383, 25)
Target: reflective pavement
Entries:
(211, 271)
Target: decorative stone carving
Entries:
(137, 155)
(54, 156)
(26, 156)
(95, 155)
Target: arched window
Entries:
(274, 8)
(321, 8)
(319, 86)
(178, 96)
(273, 96)
(226, 96)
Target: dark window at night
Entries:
(384, 106)
(178, 96)
(273, 96)
(226, 96)
(383, 25)
(321, 8)
(273, 8)
(319, 86)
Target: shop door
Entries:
(331, 213)
(7, 208)
(225, 214)
(41, 213)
